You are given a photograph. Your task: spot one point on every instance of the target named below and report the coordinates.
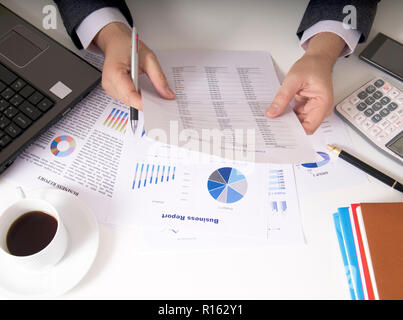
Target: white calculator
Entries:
(375, 111)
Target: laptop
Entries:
(40, 82)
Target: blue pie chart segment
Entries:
(324, 161)
(227, 185)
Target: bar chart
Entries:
(278, 206)
(117, 120)
(147, 174)
(278, 191)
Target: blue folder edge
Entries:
(347, 247)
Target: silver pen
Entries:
(134, 113)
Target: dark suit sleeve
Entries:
(319, 10)
(73, 12)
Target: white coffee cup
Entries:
(48, 256)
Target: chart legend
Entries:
(276, 180)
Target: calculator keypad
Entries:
(376, 109)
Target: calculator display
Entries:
(397, 145)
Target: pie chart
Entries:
(227, 185)
(325, 160)
(62, 146)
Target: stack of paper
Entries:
(370, 236)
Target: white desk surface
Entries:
(313, 271)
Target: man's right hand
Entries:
(115, 41)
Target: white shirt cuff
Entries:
(350, 36)
(93, 23)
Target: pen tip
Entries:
(330, 147)
(334, 149)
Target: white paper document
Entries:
(267, 214)
(220, 107)
(172, 192)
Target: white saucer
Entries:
(82, 226)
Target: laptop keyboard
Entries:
(20, 106)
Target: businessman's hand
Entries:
(309, 81)
(115, 41)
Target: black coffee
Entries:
(31, 233)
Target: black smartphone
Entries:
(386, 54)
